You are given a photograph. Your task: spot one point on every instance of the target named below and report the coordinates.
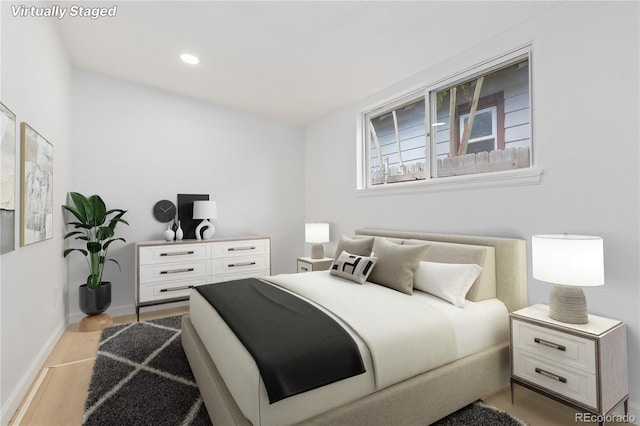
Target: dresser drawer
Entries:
(569, 382)
(169, 290)
(563, 348)
(165, 254)
(240, 248)
(240, 264)
(174, 271)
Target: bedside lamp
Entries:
(568, 261)
(316, 233)
(205, 210)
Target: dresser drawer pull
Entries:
(177, 253)
(241, 248)
(551, 375)
(235, 265)
(304, 268)
(550, 344)
(166, 290)
(176, 271)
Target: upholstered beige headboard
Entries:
(510, 260)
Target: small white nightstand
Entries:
(580, 365)
(307, 264)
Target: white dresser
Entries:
(166, 271)
(581, 365)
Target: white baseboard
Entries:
(12, 403)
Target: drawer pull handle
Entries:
(235, 265)
(241, 248)
(551, 375)
(166, 290)
(550, 344)
(303, 268)
(177, 253)
(176, 271)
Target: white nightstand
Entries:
(307, 264)
(580, 365)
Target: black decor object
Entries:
(164, 211)
(185, 213)
(94, 302)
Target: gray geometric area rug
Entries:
(480, 414)
(142, 377)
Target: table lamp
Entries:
(316, 233)
(569, 262)
(205, 210)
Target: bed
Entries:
(425, 388)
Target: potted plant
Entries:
(95, 226)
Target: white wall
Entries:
(36, 85)
(136, 145)
(585, 112)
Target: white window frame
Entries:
(494, 125)
(522, 176)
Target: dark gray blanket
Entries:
(296, 346)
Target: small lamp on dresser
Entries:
(569, 262)
(205, 210)
(316, 233)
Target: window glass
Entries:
(492, 129)
(397, 149)
(473, 123)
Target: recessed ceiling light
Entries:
(189, 58)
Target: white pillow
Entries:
(448, 281)
(353, 267)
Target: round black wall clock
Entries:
(164, 211)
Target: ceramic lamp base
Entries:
(568, 304)
(317, 251)
(205, 230)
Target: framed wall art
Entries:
(37, 187)
(7, 180)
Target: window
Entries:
(472, 123)
(397, 151)
(483, 136)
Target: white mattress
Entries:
(478, 326)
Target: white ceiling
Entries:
(293, 61)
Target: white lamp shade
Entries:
(205, 209)
(576, 260)
(316, 232)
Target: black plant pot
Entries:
(97, 301)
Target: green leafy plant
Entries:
(96, 228)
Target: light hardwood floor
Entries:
(57, 396)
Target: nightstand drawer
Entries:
(307, 264)
(173, 271)
(167, 253)
(562, 348)
(304, 266)
(571, 383)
